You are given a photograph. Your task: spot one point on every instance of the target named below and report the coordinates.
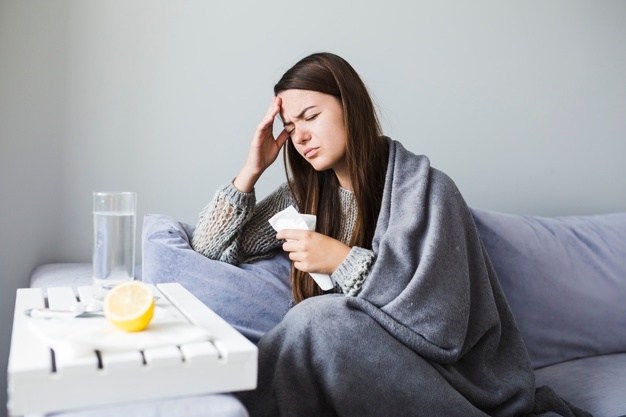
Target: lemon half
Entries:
(129, 306)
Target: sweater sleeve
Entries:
(233, 229)
(353, 271)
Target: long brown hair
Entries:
(366, 155)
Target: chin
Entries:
(320, 167)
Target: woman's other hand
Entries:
(264, 149)
(312, 251)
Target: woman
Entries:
(422, 327)
(337, 158)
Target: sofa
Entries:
(564, 279)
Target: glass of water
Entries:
(114, 224)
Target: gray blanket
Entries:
(430, 334)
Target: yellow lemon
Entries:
(129, 306)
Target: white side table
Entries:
(39, 382)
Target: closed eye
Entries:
(290, 128)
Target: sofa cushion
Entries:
(564, 278)
(252, 298)
(214, 405)
(595, 384)
(66, 274)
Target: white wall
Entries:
(522, 103)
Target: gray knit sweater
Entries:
(232, 228)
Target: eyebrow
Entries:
(299, 116)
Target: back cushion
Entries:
(564, 278)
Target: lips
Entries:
(309, 152)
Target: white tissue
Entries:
(289, 218)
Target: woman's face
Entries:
(315, 124)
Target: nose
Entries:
(300, 136)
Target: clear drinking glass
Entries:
(114, 224)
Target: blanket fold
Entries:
(430, 333)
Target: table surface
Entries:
(41, 381)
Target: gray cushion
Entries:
(252, 298)
(596, 384)
(564, 278)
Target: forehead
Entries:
(295, 101)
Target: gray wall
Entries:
(522, 103)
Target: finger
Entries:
(282, 138)
(293, 249)
(293, 256)
(289, 234)
(270, 115)
(274, 108)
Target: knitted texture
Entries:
(232, 228)
(351, 273)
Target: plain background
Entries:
(523, 104)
